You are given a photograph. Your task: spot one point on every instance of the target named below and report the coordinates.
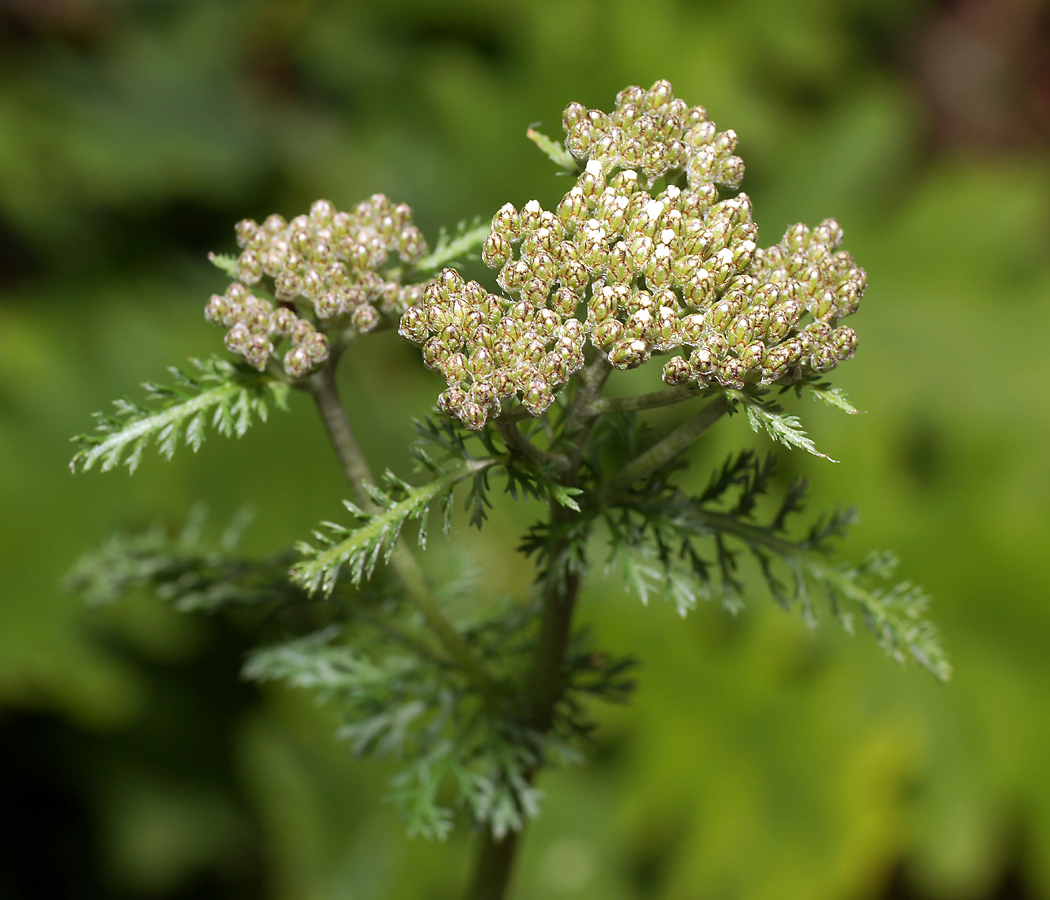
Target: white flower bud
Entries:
(824, 358)
(451, 400)
(641, 326)
(297, 362)
(574, 112)
(538, 396)
(607, 333)
(628, 353)
(677, 371)
(844, 339)
(473, 415)
(513, 275)
(496, 250)
(246, 230)
(237, 338)
(257, 351)
(731, 372)
(702, 362)
(365, 318)
(249, 267)
(564, 301)
(217, 309)
(283, 321)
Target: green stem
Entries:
(646, 401)
(355, 467)
(493, 866)
(516, 441)
(664, 451)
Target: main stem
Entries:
(495, 857)
(355, 467)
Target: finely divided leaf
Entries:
(360, 548)
(226, 263)
(221, 394)
(834, 397)
(450, 248)
(769, 417)
(554, 150)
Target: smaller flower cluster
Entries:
(652, 132)
(489, 348)
(254, 325)
(340, 269)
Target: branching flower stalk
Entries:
(652, 253)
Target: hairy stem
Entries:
(518, 442)
(646, 401)
(664, 451)
(357, 471)
(493, 866)
(543, 688)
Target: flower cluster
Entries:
(335, 269)
(489, 348)
(640, 257)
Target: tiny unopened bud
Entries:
(731, 372)
(702, 362)
(824, 358)
(496, 250)
(257, 351)
(217, 309)
(776, 363)
(564, 301)
(507, 223)
(753, 356)
(628, 353)
(607, 333)
(641, 326)
(472, 415)
(365, 318)
(283, 321)
(844, 339)
(677, 371)
(411, 245)
(328, 304)
(451, 400)
(237, 338)
(246, 231)
(691, 329)
(249, 267)
(513, 275)
(538, 396)
(829, 232)
(297, 362)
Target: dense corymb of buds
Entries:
(643, 255)
(489, 348)
(335, 269)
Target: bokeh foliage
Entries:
(758, 759)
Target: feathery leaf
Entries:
(225, 395)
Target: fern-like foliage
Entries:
(415, 710)
(657, 537)
(189, 570)
(770, 417)
(553, 150)
(359, 548)
(459, 756)
(466, 238)
(224, 395)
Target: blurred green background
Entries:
(758, 760)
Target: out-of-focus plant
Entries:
(651, 253)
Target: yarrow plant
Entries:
(652, 252)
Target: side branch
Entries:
(357, 471)
(646, 401)
(667, 449)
